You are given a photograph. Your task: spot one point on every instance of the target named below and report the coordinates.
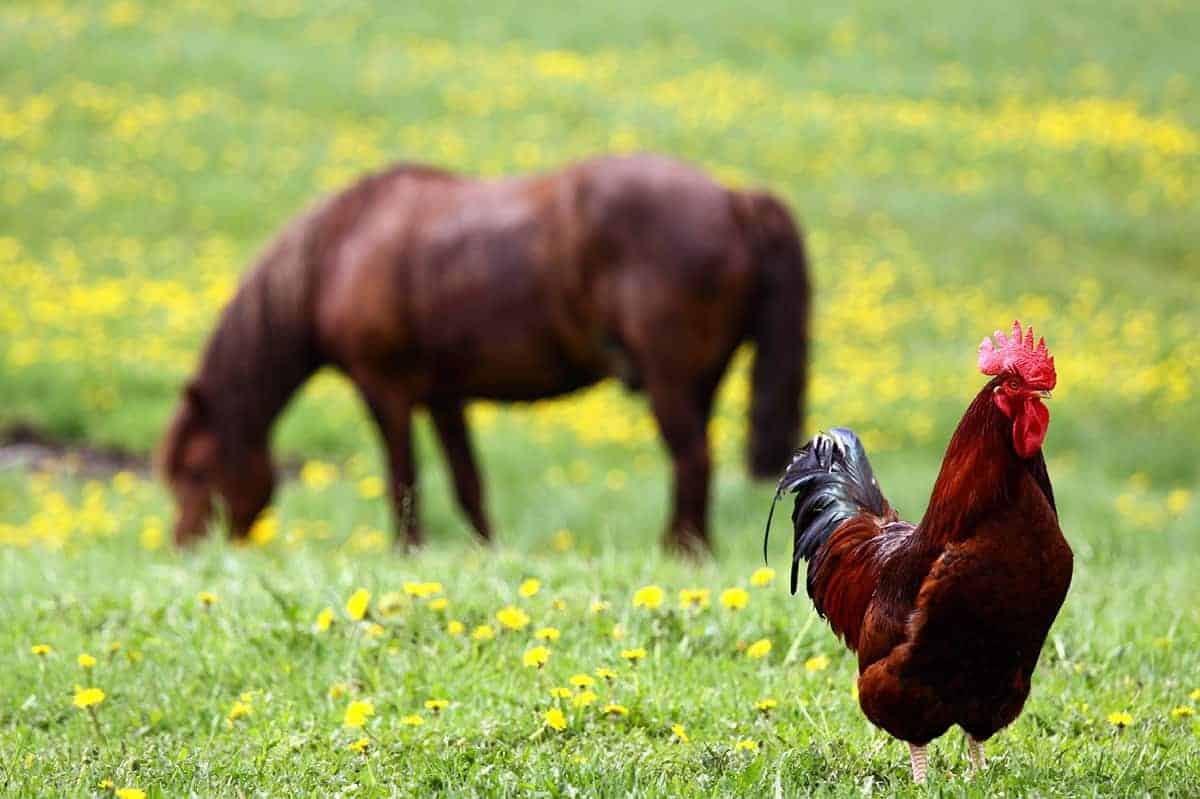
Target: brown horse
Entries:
(429, 289)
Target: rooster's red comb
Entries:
(1018, 355)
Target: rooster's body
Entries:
(947, 617)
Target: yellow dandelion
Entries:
(680, 733)
(237, 710)
(547, 634)
(338, 690)
(370, 487)
(455, 627)
(1182, 712)
(759, 649)
(648, 596)
(559, 603)
(357, 604)
(360, 745)
(606, 673)
(1195, 695)
(87, 697)
(390, 604)
(439, 604)
(437, 705)
(746, 745)
(694, 597)
(207, 598)
(563, 540)
(762, 577)
(535, 657)
(616, 710)
(357, 713)
(558, 692)
(1119, 719)
(106, 784)
(816, 663)
(633, 655)
(581, 680)
(512, 618)
(618, 632)
(41, 650)
(584, 699)
(735, 598)
(598, 606)
(130, 793)
(555, 719)
(324, 620)
(375, 630)
(412, 720)
(530, 587)
(766, 705)
(85, 661)
(483, 632)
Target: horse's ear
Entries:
(190, 415)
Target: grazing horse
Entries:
(429, 289)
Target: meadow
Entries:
(954, 167)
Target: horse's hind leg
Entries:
(456, 443)
(681, 408)
(392, 411)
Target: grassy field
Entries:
(954, 167)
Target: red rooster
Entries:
(947, 617)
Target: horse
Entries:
(429, 288)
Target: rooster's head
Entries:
(1028, 376)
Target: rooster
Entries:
(948, 616)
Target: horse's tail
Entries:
(779, 327)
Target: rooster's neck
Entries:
(979, 472)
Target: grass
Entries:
(1012, 161)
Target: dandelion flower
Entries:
(584, 699)
(766, 705)
(455, 627)
(130, 793)
(324, 620)
(735, 598)
(370, 487)
(633, 655)
(616, 710)
(422, 590)
(535, 657)
(762, 577)
(648, 596)
(1119, 719)
(680, 733)
(693, 598)
(357, 713)
(360, 745)
(559, 603)
(412, 720)
(106, 784)
(483, 632)
(390, 603)
(746, 745)
(563, 540)
(759, 649)
(547, 634)
(555, 719)
(558, 692)
(606, 673)
(87, 697)
(618, 632)
(816, 663)
(582, 680)
(437, 705)
(1182, 712)
(357, 604)
(439, 604)
(1195, 695)
(530, 587)
(207, 598)
(41, 650)
(85, 661)
(375, 630)
(512, 618)
(598, 606)
(238, 710)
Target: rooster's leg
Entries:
(975, 754)
(920, 763)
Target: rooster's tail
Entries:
(832, 480)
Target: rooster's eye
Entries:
(1013, 384)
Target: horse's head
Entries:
(201, 469)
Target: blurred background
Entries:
(1005, 162)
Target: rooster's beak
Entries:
(1045, 394)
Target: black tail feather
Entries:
(832, 480)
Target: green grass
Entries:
(953, 167)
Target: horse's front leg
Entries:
(451, 427)
(682, 418)
(392, 409)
